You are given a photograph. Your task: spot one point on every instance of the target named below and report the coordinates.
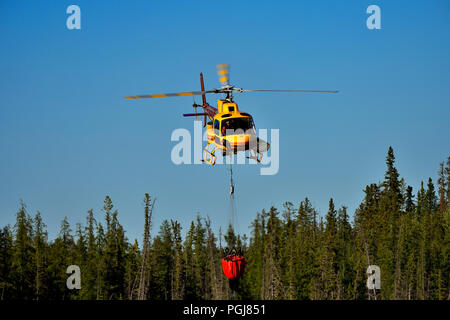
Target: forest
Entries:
(292, 253)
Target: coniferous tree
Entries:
(345, 258)
(60, 257)
(255, 265)
(40, 256)
(273, 285)
(108, 257)
(89, 287)
(192, 290)
(132, 270)
(144, 275)
(295, 256)
(23, 270)
(177, 282)
(306, 245)
(100, 249)
(288, 250)
(6, 260)
(215, 274)
(328, 258)
(161, 261)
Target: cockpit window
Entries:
(242, 123)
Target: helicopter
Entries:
(228, 129)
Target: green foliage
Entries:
(297, 254)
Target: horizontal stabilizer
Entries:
(261, 145)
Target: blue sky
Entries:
(68, 138)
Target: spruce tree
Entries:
(88, 288)
(40, 257)
(6, 260)
(177, 282)
(23, 270)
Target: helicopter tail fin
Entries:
(202, 85)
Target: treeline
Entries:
(292, 254)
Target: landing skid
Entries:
(209, 154)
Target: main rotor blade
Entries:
(177, 94)
(223, 71)
(258, 90)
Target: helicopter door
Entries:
(216, 131)
(216, 127)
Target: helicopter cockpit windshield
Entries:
(243, 124)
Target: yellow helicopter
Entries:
(228, 129)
